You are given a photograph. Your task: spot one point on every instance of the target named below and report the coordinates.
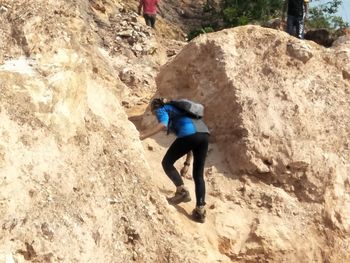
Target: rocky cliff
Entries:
(77, 185)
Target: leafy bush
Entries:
(196, 32)
(231, 13)
(323, 16)
(242, 12)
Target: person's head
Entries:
(157, 103)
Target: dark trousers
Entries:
(295, 26)
(198, 144)
(150, 20)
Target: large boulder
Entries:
(277, 107)
(321, 36)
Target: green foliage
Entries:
(196, 32)
(230, 16)
(339, 23)
(231, 13)
(242, 12)
(323, 16)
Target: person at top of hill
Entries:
(149, 11)
(192, 136)
(296, 15)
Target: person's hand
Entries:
(184, 171)
(142, 136)
(282, 25)
(283, 19)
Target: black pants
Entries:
(150, 20)
(295, 26)
(198, 144)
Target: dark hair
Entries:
(157, 103)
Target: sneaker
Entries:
(179, 197)
(198, 214)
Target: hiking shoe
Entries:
(179, 197)
(198, 214)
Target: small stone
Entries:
(150, 147)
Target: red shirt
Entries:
(149, 6)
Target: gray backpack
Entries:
(192, 109)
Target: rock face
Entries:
(76, 185)
(320, 36)
(278, 109)
(73, 179)
(325, 37)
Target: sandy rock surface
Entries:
(77, 184)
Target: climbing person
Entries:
(192, 136)
(149, 11)
(296, 15)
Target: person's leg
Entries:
(199, 156)
(179, 148)
(300, 27)
(147, 19)
(290, 25)
(153, 20)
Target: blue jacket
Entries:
(178, 122)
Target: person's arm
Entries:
(188, 158)
(140, 7)
(149, 132)
(284, 10)
(306, 8)
(187, 163)
(158, 8)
